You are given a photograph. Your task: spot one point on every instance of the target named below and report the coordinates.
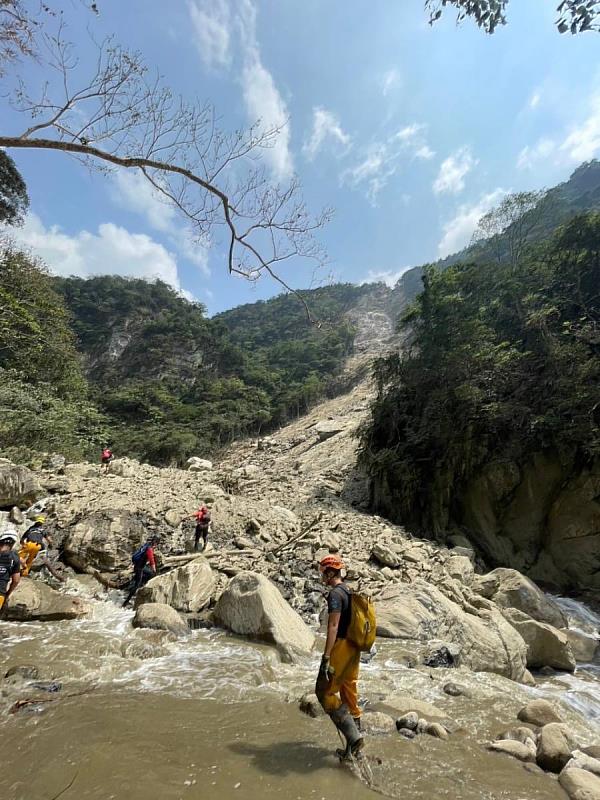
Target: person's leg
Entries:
(205, 538)
(349, 687)
(197, 535)
(27, 554)
(345, 673)
(135, 585)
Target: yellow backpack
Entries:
(363, 625)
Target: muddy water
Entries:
(140, 716)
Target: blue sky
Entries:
(411, 133)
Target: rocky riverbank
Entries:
(277, 506)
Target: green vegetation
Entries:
(173, 383)
(43, 392)
(504, 362)
(14, 200)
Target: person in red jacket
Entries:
(202, 517)
(144, 566)
(105, 459)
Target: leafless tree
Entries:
(508, 228)
(122, 116)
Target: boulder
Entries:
(123, 467)
(523, 751)
(188, 588)
(456, 690)
(461, 568)
(103, 540)
(584, 646)
(252, 606)
(309, 705)
(518, 734)
(16, 516)
(580, 784)
(375, 722)
(36, 601)
(196, 464)
(54, 462)
(159, 616)
(581, 760)
(509, 589)
(18, 486)
(538, 712)
(328, 428)
(172, 518)
(436, 730)
(385, 556)
(419, 612)
(404, 704)
(546, 646)
(554, 747)
(408, 721)
(592, 750)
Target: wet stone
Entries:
(28, 672)
(408, 721)
(407, 733)
(456, 690)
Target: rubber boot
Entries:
(357, 723)
(345, 724)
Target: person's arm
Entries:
(150, 558)
(333, 622)
(13, 584)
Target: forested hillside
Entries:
(173, 383)
(498, 397)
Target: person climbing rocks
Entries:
(144, 566)
(202, 517)
(10, 567)
(33, 541)
(105, 459)
(336, 686)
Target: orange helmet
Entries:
(332, 561)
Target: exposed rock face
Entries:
(18, 486)
(252, 606)
(546, 646)
(104, 540)
(541, 518)
(420, 612)
(159, 616)
(36, 601)
(187, 588)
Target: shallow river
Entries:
(212, 716)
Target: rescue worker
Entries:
(33, 541)
(105, 459)
(10, 566)
(336, 686)
(202, 517)
(144, 566)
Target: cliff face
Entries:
(542, 518)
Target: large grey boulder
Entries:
(385, 556)
(523, 751)
(509, 589)
(159, 616)
(103, 540)
(187, 588)
(539, 713)
(328, 428)
(585, 647)
(18, 486)
(546, 646)
(554, 747)
(252, 606)
(196, 464)
(420, 613)
(36, 601)
(581, 760)
(580, 784)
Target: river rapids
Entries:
(141, 715)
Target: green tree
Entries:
(14, 200)
(574, 16)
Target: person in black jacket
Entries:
(10, 566)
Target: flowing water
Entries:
(212, 716)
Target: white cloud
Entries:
(261, 96)
(390, 81)
(211, 22)
(583, 141)
(530, 156)
(534, 100)
(381, 160)
(113, 250)
(325, 126)
(453, 171)
(388, 276)
(133, 191)
(459, 230)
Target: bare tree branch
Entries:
(122, 116)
